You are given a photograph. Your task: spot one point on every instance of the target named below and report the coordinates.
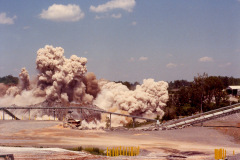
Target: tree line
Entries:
(204, 93)
(129, 85)
(9, 80)
(227, 81)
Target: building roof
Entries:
(233, 87)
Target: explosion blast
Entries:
(67, 81)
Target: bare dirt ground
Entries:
(229, 125)
(189, 143)
(30, 153)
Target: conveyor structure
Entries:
(202, 117)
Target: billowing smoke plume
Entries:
(24, 79)
(91, 84)
(60, 77)
(147, 99)
(66, 80)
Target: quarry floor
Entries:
(43, 140)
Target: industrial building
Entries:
(233, 90)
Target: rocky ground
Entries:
(194, 142)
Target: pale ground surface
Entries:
(190, 143)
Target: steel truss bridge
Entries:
(190, 120)
(6, 111)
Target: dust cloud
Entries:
(66, 80)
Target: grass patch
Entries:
(95, 151)
(76, 149)
(138, 124)
(92, 150)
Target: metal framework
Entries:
(5, 109)
(202, 117)
(198, 118)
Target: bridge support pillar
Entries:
(133, 122)
(81, 115)
(54, 114)
(29, 114)
(110, 119)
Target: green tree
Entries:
(9, 80)
(198, 90)
(170, 109)
(183, 96)
(178, 84)
(203, 94)
(214, 89)
(130, 86)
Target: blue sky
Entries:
(125, 40)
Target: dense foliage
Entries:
(204, 93)
(9, 80)
(227, 81)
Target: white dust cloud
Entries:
(91, 125)
(66, 80)
(24, 79)
(60, 78)
(146, 100)
(3, 89)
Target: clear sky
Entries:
(126, 40)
